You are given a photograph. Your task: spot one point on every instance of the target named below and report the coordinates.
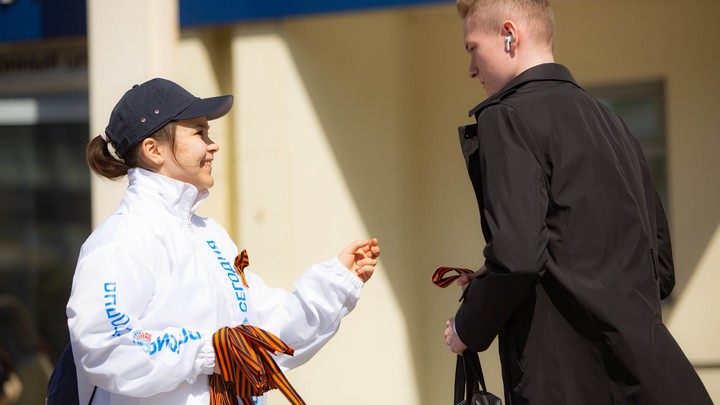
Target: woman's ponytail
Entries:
(102, 162)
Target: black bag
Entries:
(468, 380)
(62, 386)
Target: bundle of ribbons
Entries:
(247, 369)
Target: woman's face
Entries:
(191, 161)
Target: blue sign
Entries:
(27, 20)
(32, 20)
(212, 12)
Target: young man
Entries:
(577, 254)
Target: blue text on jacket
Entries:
(117, 319)
(235, 281)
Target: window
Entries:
(45, 215)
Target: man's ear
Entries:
(151, 152)
(509, 30)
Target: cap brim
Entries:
(211, 108)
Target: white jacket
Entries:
(153, 283)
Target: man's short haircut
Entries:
(490, 14)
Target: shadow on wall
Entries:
(686, 320)
(355, 89)
(359, 73)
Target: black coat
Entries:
(577, 251)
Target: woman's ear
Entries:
(151, 152)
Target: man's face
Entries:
(489, 62)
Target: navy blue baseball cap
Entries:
(147, 107)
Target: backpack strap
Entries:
(63, 384)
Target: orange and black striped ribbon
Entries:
(246, 367)
(441, 281)
(241, 261)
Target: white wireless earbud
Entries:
(508, 41)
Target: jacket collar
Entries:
(178, 198)
(543, 72)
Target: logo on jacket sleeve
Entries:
(143, 339)
(164, 341)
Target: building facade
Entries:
(344, 127)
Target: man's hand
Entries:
(452, 339)
(464, 280)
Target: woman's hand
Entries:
(360, 257)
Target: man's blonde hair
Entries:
(490, 14)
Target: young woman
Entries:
(154, 281)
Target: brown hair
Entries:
(490, 14)
(104, 163)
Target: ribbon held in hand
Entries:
(441, 281)
(246, 368)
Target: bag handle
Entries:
(473, 360)
(469, 379)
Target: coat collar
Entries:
(543, 72)
(178, 198)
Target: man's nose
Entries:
(473, 72)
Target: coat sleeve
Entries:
(112, 286)
(308, 317)
(513, 205)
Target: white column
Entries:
(129, 42)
